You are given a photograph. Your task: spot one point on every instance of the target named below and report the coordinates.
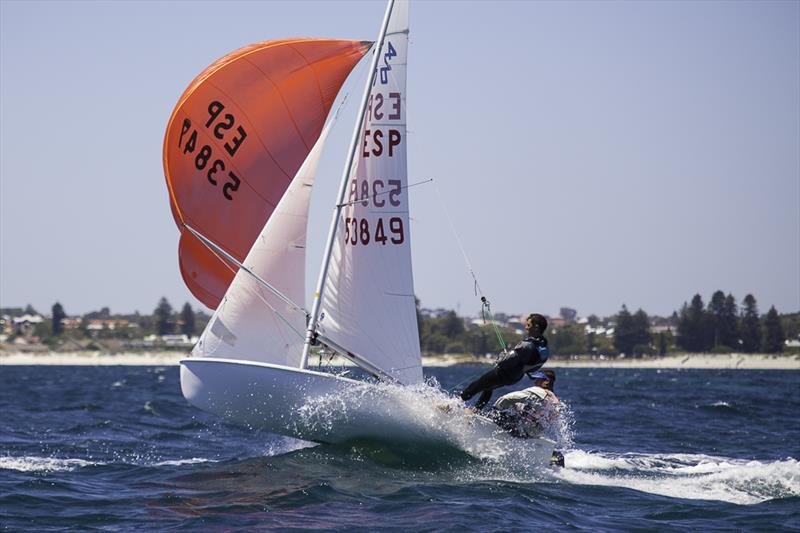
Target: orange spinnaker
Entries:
(235, 140)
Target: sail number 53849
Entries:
(358, 231)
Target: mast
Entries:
(315, 308)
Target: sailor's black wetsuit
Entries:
(527, 356)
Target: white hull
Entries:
(325, 408)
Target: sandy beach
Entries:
(708, 361)
(720, 361)
(92, 358)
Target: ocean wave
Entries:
(282, 445)
(722, 407)
(689, 476)
(418, 415)
(54, 464)
(181, 462)
(42, 464)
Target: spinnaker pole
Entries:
(315, 308)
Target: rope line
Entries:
(485, 304)
(367, 199)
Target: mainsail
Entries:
(252, 322)
(235, 140)
(368, 304)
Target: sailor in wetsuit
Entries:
(527, 356)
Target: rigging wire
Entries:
(261, 283)
(384, 193)
(216, 248)
(486, 309)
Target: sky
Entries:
(590, 154)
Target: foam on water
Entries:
(42, 464)
(423, 413)
(281, 445)
(181, 462)
(420, 412)
(56, 464)
(689, 476)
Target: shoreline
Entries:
(677, 361)
(732, 361)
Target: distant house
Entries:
(439, 312)
(172, 341)
(71, 322)
(517, 323)
(175, 340)
(69, 344)
(26, 324)
(476, 323)
(599, 330)
(660, 328)
(97, 324)
(479, 322)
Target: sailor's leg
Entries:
(487, 380)
(484, 399)
(471, 390)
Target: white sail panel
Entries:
(368, 303)
(251, 322)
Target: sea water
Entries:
(118, 448)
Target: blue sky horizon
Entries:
(591, 154)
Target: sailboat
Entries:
(251, 364)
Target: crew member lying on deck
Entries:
(529, 412)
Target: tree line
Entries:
(722, 326)
(163, 321)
